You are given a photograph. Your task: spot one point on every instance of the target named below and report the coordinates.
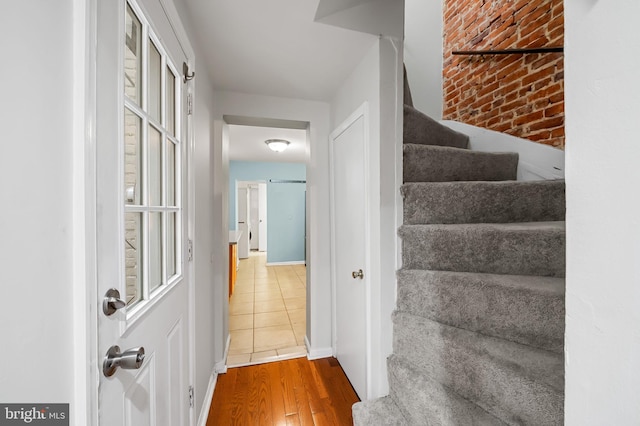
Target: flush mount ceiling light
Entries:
(277, 145)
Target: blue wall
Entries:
(285, 206)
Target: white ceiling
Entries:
(273, 47)
(246, 143)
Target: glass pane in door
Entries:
(155, 87)
(171, 102)
(132, 157)
(171, 173)
(133, 257)
(155, 251)
(155, 167)
(171, 244)
(133, 56)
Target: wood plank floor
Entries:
(292, 392)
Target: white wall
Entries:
(317, 114)
(36, 226)
(423, 54)
(205, 272)
(602, 92)
(210, 272)
(377, 80)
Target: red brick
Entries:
(542, 84)
(541, 136)
(552, 111)
(547, 123)
(557, 132)
(556, 37)
(538, 75)
(558, 8)
(556, 22)
(537, 38)
(528, 118)
(556, 98)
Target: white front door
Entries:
(141, 134)
(349, 243)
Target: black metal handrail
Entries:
(557, 49)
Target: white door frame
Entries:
(361, 112)
(85, 297)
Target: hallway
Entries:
(267, 312)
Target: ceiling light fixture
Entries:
(277, 145)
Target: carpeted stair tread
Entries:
(419, 128)
(516, 383)
(532, 248)
(523, 309)
(378, 412)
(429, 163)
(424, 401)
(483, 202)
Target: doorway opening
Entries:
(267, 211)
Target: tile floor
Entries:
(267, 312)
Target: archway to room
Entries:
(268, 298)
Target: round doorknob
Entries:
(358, 274)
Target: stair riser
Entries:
(425, 402)
(424, 163)
(485, 248)
(504, 380)
(483, 202)
(526, 310)
(421, 129)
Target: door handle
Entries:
(112, 302)
(358, 274)
(131, 359)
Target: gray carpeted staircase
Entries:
(479, 323)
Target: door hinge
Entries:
(190, 396)
(189, 104)
(190, 250)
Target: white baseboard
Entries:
(317, 353)
(221, 367)
(295, 262)
(206, 404)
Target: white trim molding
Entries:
(221, 366)
(317, 353)
(295, 262)
(208, 397)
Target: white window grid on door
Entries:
(138, 303)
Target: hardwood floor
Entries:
(292, 392)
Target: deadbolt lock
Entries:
(112, 302)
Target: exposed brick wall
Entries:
(522, 95)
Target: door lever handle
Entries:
(112, 302)
(131, 359)
(358, 274)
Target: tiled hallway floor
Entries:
(267, 312)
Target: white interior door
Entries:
(349, 244)
(243, 221)
(141, 218)
(254, 205)
(262, 212)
